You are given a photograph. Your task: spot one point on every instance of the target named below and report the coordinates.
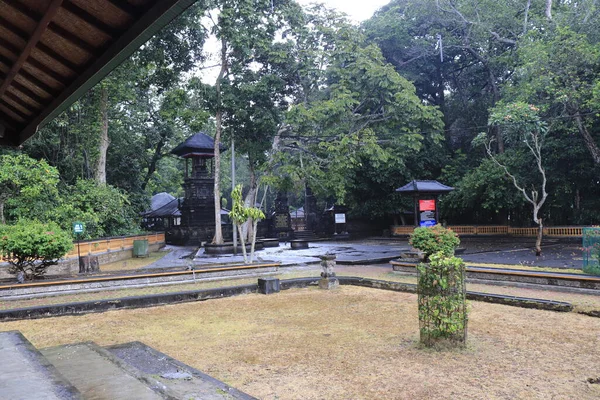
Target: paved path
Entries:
(25, 374)
(347, 251)
(563, 255)
(516, 251)
(178, 256)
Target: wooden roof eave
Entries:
(159, 15)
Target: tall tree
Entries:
(523, 128)
(352, 107)
(244, 29)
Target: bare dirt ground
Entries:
(352, 343)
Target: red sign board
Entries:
(426, 205)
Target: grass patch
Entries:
(133, 263)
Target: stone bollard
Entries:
(328, 279)
(268, 285)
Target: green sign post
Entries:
(78, 229)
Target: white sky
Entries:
(357, 10)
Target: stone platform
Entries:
(88, 371)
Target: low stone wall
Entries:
(153, 300)
(70, 265)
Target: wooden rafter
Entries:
(8, 124)
(31, 61)
(71, 38)
(58, 30)
(42, 73)
(27, 92)
(28, 77)
(14, 109)
(125, 7)
(33, 41)
(89, 18)
(40, 46)
(17, 100)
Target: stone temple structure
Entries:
(197, 208)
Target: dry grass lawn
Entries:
(352, 343)
(133, 263)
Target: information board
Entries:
(426, 205)
(282, 221)
(340, 218)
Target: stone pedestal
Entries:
(328, 283)
(328, 280)
(88, 264)
(299, 244)
(268, 285)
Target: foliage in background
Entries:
(31, 247)
(353, 112)
(435, 239)
(31, 190)
(25, 182)
(442, 300)
(105, 210)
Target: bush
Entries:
(442, 304)
(433, 240)
(31, 247)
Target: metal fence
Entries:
(591, 251)
(556, 231)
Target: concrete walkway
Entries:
(501, 250)
(555, 254)
(349, 252)
(25, 374)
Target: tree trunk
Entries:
(243, 243)
(217, 175)
(250, 200)
(538, 240)
(2, 220)
(153, 162)
(100, 173)
(588, 139)
(549, 10)
(254, 227)
(219, 126)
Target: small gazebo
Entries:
(425, 194)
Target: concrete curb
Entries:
(206, 294)
(516, 277)
(86, 307)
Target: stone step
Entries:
(99, 375)
(304, 235)
(26, 374)
(180, 380)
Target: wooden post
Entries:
(416, 201)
